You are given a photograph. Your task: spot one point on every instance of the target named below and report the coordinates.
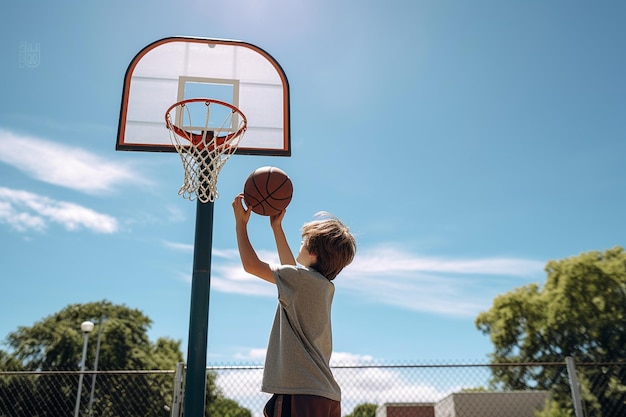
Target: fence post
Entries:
(573, 382)
(177, 399)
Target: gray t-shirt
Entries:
(300, 344)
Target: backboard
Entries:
(179, 68)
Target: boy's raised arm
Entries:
(284, 251)
(249, 259)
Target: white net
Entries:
(204, 148)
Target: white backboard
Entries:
(178, 68)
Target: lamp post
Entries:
(86, 327)
(95, 368)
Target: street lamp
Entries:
(95, 367)
(86, 327)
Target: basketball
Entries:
(267, 191)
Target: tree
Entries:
(364, 410)
(580, 312)
(224, 407)
(553, 409)
(55, 344)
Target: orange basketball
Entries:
(267, 191)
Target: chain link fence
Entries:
(396, 390)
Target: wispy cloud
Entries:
(448, 286)
(375, 261)
(253, 355)
(180, 247)
(227, 274)
(383, 275)
(25, 211)
(63, 165)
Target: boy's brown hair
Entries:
(331, 241)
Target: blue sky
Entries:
(465, 143)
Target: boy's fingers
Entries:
(238, 198)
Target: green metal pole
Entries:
(195, 380)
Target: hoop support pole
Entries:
(195, 379)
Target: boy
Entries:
(297, 370)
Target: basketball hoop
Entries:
(204, 148)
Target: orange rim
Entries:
(196, 138)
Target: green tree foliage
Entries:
(580, 312)
(55, 344)
(224, 407)
(364, 410)
(553, 409)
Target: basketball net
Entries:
(204, 148)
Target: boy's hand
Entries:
(242, 215)
(276, 219)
